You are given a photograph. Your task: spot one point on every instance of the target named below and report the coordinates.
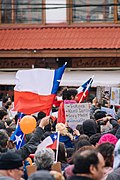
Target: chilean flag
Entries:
(84, 89)
(51, 141)
(36, 89)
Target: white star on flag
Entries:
(18, 139)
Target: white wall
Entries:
(55, 15)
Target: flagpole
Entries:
(86, 89)
(57, 147)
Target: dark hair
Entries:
(83, 137)
(79, 127)
(68, 93)
(62, 153)
(89, 127)
(87, 147)
(3, 141)
(5, 99)
(106, 149)
(95, 138)
(99, 114)
(2, 113)
(82, 143)
(8, 104)
(41, 115)
(84, 160)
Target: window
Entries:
(21, 11)
(93, 11)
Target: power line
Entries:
(43, 6)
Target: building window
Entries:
(118, 11)
(93, 11)
(21, 11)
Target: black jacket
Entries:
(31, 146)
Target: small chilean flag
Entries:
(83, 90)
(50, 141)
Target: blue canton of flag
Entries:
(20, 116)
(18, 138)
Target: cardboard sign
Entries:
(76, 113)
(31, 169)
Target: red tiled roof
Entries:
(60, 38)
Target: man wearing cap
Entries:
(11, 165)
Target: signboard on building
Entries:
(76, 113)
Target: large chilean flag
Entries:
(35, 89)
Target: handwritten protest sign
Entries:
(76, 113)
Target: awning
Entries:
(101, 78)
(7, 78)
(75, 78)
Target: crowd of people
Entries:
(91, 151)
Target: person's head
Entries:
(11, 164)
(89, 127)
(82, 143)
(41, 175)
(83, 137)
(83, 148)
(57, 175)
(44, 158)
(3, 141)
(41, 115)
(60, 127)
(69, 94)
(9, 105)
(89, 163)
(3, 114)
(5, 100)
(108, 138)
(98, 114)
(95, 138)
(107, 150)
(79, 127)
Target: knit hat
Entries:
(61, 128)
(10, 160)
(108, 138)
(41, 175)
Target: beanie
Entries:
(10, 160)
(108, 138)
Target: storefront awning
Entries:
(101, 78)
(75, 78)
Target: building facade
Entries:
(46, 33)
